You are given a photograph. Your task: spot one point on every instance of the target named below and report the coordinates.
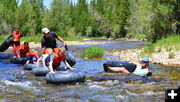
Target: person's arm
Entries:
(59, 38)
(27, 62)
(67, 64)
(18, 53)
(39, 60)
(44, 59)
(51, 67)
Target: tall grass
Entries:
(171, 43)
(93, 52)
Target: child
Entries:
(53, 61)
(23, 50)
(45, 54)
(16, 41)
(33, 54)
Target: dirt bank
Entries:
(158, 58)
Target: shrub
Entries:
(93, 52)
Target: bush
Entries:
(93, 52)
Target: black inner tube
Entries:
(19, 60)
(61, 77)
(5, 45)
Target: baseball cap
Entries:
(45, 30)
(145, 59)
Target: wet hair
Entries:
(26, 43)
(62, 48)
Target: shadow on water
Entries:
(17, 85)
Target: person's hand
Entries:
(72, 68)
(52, 72)
(65, 44)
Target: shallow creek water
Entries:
(18, 85)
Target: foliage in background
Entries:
(93, 52)
(170, 44)
(151, 19)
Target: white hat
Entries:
(45, 30)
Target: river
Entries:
(18, 85)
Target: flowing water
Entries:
(18, 85)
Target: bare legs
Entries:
(118, 69)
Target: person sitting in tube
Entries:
(141, 68)
(23, 50)
(33, 54)
(45, 54)
(53, 60)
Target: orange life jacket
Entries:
(22, 51)
(58, 57)
(16, 36)
(46, 52)
(33, 54)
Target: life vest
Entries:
(58, 57)
(16, 36)
(46, 52)
(33, 54)
(22, 51)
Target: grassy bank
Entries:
(170, 44)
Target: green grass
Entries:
(93, 52)
(171, 43)
(37, 38)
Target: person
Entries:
(45, 54)
(53, 61)
(16, 41)
(49, 39)
(140, 69)
(33, 54)
(23, 50)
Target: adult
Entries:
(139, 69)
(49, 39)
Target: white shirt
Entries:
(140, 71)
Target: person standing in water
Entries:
(140, 69)
(49, 39)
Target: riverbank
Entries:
(165, 52)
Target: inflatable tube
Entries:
(31, 66)
(61, 44)
(70, 59)
(40, 71)
(115, 63)
(5, 45)
(5, 56)
(19, 60)
(65, 77)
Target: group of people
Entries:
(53, 55)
